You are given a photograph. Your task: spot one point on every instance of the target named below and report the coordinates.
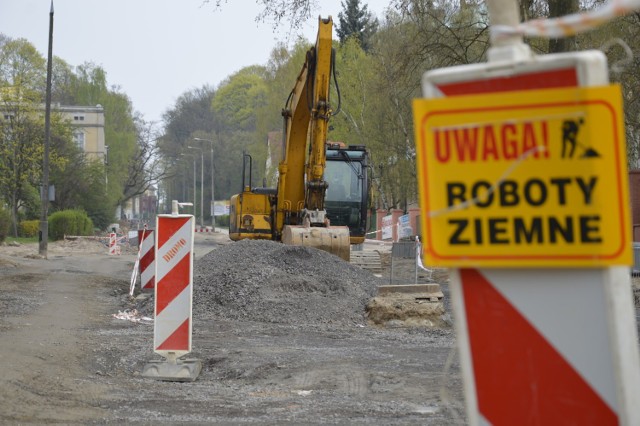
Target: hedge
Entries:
(222, 220)
(29, 228)
(69, 222)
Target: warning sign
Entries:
(520, 179)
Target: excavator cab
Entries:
(347, 196)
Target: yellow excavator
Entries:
(322, 194)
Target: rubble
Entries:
(266, 281)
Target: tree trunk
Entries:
(559, 8)
(14, 215)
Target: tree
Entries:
(190, 117)
(238, 97)
(80, 184)
(558, 8)
(22, 73)
(293, 11)
(235, 106)
(89, 87)
(356, 21)
(145, 167)
(282, 70)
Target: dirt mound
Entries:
(271, 282)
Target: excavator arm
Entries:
(300, 210)
(306, 116)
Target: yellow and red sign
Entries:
(521, 179)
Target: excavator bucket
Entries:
(333, 239)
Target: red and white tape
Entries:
(569, 25)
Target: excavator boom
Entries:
(300, 212)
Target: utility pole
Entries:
(213, 198)
(44, 224)
(194, 181)
(201, 184)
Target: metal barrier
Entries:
(403, 250)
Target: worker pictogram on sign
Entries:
(542, 174)
(570, 141)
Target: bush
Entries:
(28, 228)
(69, 222)
(5, 224)
(222, 220)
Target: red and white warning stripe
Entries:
(523, 344)
(174, 284)
(146, 239)
(114, 248)
(204, 230)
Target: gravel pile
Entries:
(271, 282)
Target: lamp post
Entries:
(201, 184)
(194, 179)
(44, 214)
(213, 198)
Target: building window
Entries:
(78, 138)
(78, 117)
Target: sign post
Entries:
(523, 166)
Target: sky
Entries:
(156, 50)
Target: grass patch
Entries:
(22, 240)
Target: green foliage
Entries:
(22, 76)
(31, 202)
(29, 228)
(356, 22)
(5, 224)
(69, 222)
(89, 87)
(82, 187)
(238, 98)
(222, 220)
(356, 77)
(283, 69)
(22, 71)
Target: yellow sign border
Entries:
(436, 253)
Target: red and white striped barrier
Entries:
(174, 278)
(114, 248)
(173, 294)
(146, 240)
(521, 344)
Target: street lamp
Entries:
(194, 179)
(213, 198)
(201, 184)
